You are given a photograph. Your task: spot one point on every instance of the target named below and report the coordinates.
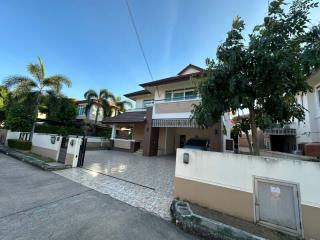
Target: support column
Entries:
(113, 133)
(216, 137)
(151, 136)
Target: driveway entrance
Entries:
(144, 182)
(37, 204)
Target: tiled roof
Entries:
(137, 93)
(112, 104)
(174, 79)
(191, 66)
(127, 117)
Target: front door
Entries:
(277, 205)
(154, 141)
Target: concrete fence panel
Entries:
(225, 182)
(47, 145)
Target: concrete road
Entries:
(35, 204)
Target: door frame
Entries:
(297, 203)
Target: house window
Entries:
(81, 110)
(148, 103)
(301, 99)
(168, 95)
(178, 95)
(190, 94)
(181, 94)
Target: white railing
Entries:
(180, 99)
(136, 109)
(281, 131)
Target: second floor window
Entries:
(184, 94)
(147, 103)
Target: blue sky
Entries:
(93, 42)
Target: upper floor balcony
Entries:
(142, 105)
(175, 106)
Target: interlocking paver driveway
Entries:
(144, 182)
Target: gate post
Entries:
(82, 151)
(72, 155)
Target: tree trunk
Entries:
(96, 120)
(254, 133)
(35, 115)
(249, 141)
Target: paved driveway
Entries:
(144, 182)
(35, 204)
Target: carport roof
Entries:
(127, 117)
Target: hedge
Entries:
(19, 144)
(61, 130)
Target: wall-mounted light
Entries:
(53, 139)
(72, 142)
(186, 158)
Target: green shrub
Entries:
(19, 144)
(61, 130)
(18, 119)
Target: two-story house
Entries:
(84, 118)
(300, 135)
(161, 121)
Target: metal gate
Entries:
(82, 152)
(63, 150)
(277, 205)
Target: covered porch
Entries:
(175, 133)
(127, 131)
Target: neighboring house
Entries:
(299, 134)
(83, 118)
(161, 121)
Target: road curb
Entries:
(31, 160)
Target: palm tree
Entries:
(36, 86)
(121, 105)
(102, 100)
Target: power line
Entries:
(138, 38)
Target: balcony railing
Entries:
(280, 131)
(175, 105)
(136, 110)
(178, 99)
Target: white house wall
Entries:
(309, 129)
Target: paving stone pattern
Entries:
(143, 182)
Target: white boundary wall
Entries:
(73, 150)
(236, 171)
(44, 141)
(12, 135)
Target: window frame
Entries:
(147, 101)
(169, 94)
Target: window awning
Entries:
(182, 122)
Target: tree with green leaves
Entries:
(18, 118)
(121, 105)
(265, 75)
(25, 86)
(58, 108)
(101, 100)
(4, 96)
